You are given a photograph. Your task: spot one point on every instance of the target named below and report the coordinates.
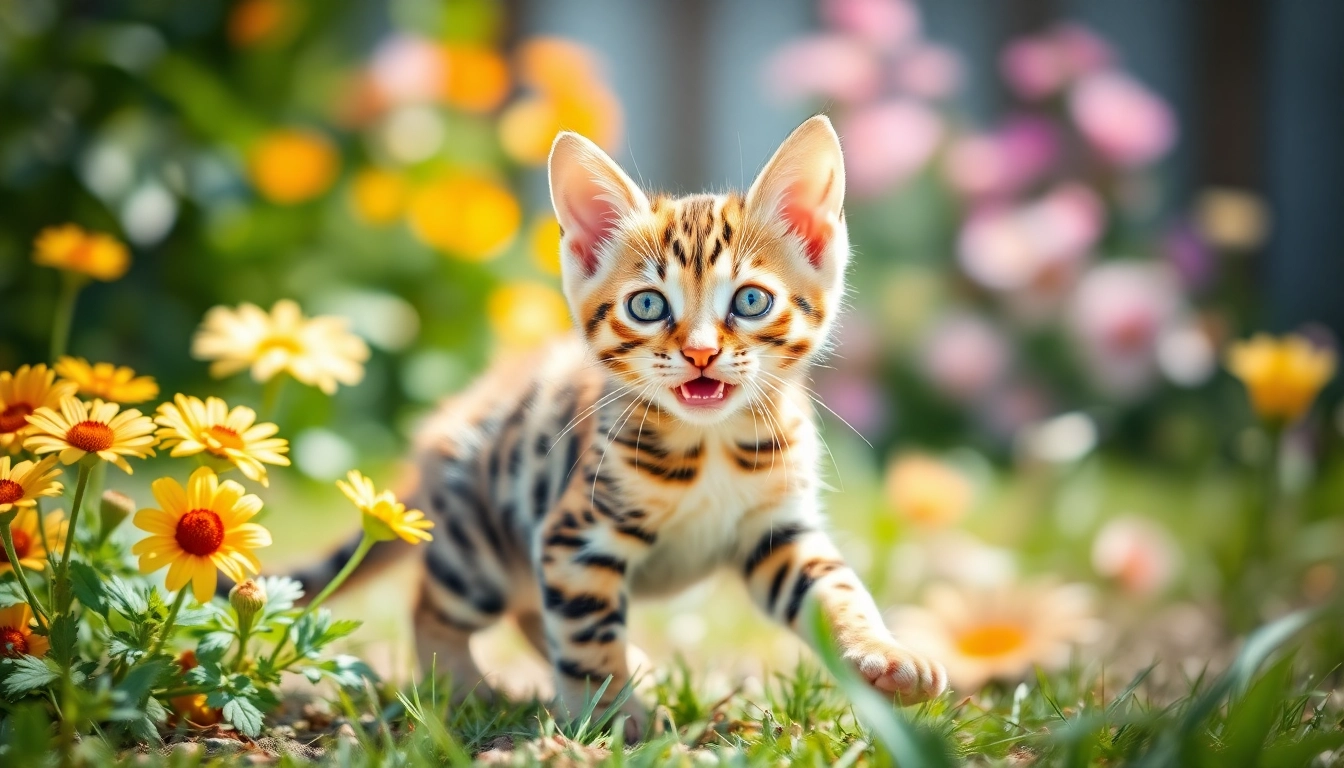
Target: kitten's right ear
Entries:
(591, 195)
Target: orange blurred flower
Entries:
(544, 243)
(71, 248)
(252, 22)
(1282, 375)
(928, 492)
(293, 165)
(378, 196)
(465, 215)
(570, 94)
(526, 314)
(477, 78)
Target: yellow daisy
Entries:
(28, 541)
(116, 384)
(22, 484)
(199, 529)
(385, 518)
(1282, 376)
(319, 352)
(16, 633)
(1000, 632)
(72, 249)
(22, 393)
(189, 426)
(81, 428)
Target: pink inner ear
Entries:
(593, 223)
(809, 224)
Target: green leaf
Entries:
(214, 646)
(134, 689)
(345, 670)
(125, 599)
(243, 715)
(125, 647)
(1294, 754)
(1250, 718)
(27, 673)
(281, 594)
(64, 634)
(11, 594)
(90, 589)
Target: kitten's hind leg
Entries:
(442, 647)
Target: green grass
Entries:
(1265, 710)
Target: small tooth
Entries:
(718, 393)
(686, 393)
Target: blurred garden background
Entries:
(1065, 215)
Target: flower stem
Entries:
(270, 396)
(65, 314)
(168, 623)
(365, 544)
(71, 529)
(13, 557)
(244, 631)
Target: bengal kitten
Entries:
(672, 436)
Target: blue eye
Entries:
(751, 301)
(648, 306)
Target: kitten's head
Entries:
(706, 302)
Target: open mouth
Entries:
(703, 392)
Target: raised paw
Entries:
(896, 670)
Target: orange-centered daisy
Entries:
(29, 545)
(16, 634)
(22, 393)
(80, 428)
(23, 483)
(319, 352)
(199, 529)
(107, 381)
(385, 518)
(189, 426)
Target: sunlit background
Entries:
(1063, 215)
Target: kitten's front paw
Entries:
(894, 669)
(636, 720)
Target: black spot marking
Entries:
(562, 540)
(572, 607)
(775, 585)
(576, 670)
(637, 533)
(599, 560)
(805, 305)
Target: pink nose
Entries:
(700, 357)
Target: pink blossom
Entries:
(1003, 163)
(886, 144)
(1118, 313)
(928, 71)
(1081, 49)
(828, 66)
(406, 68)
(1138, 553)
(855, 399)
(1189, 254)
(1009, 248)
(887, 24)
(1033, 67)
(1127, 123)
(964, 357)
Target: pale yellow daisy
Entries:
(23, 392)
(1001, 632)
(107, 381)
(22, 484)
(189, 426)
(80, 428)
(319, 351)
(198, 530)
(385, 518)
(928, 492)
(16, 633)
(29, 545)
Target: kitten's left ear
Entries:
(591, 195)
(804, 183)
